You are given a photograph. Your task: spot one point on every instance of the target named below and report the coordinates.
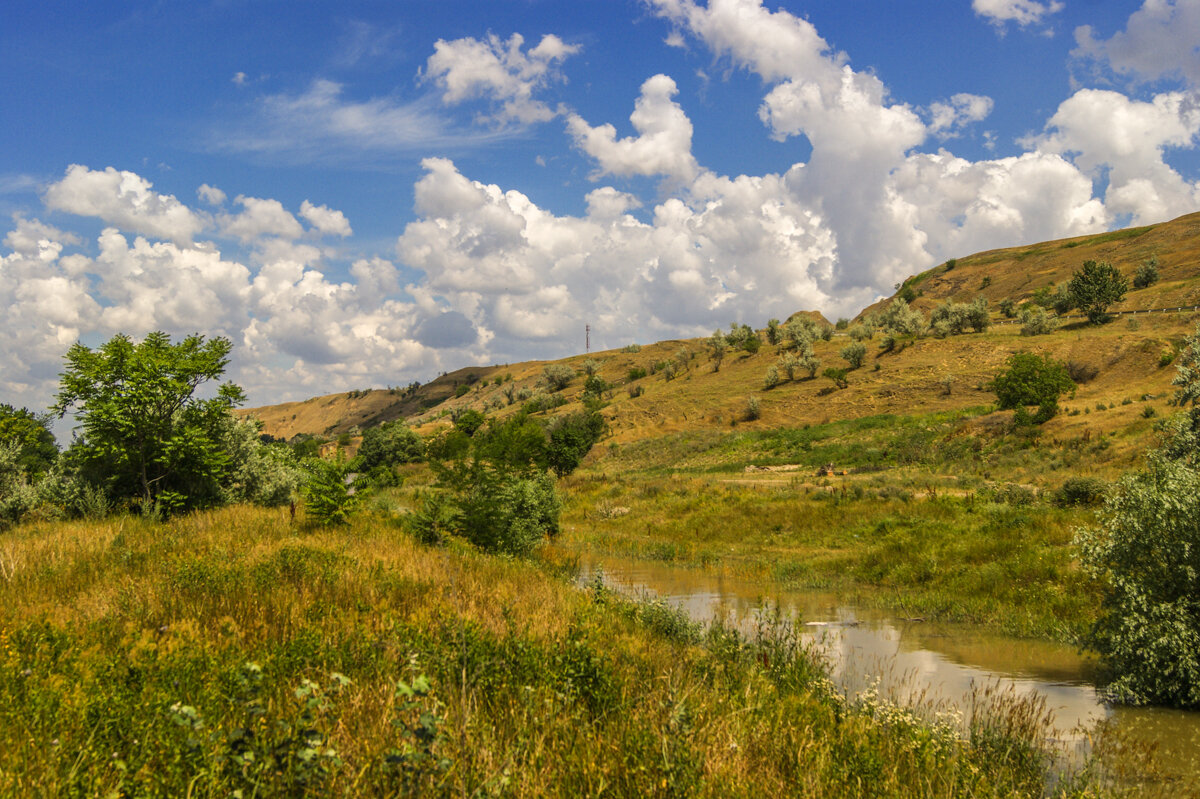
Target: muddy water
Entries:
(913, 660)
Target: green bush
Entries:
(1147, 274)
(558, 376)
(1095, 287)
(1031, 379)
(1146, 552)
(506, 513)
(328, 498)
(1081, 492)
(854, 353)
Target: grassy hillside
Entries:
(930, 375)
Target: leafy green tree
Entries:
(572, 438)
(145, 435)
(1032, 379)
(329, 498)
(389, 444)
(838, 376)
(716, 349)
(854, 353)
(469, 421)
(773, 331)
(1095, 287)
(558, 376)
(36, 449)
(1146, 552)
(1147, 274)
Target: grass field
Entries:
(232, 651)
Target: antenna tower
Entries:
(587, 338)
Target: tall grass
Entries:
(232, 651)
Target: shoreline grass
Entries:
(229, 650)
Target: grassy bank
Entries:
(233, 651)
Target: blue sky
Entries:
(365, 194)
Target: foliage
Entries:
(571, 437)
(903, 320)
(753, 409)
(145, 435)
(1037, 321)
(389, 444)
(36, 448)
(1147, 553)
(772, 377)
(1146, 274)
(1081, 492)
(1095, 287)
(838, 376)
(590, 367)
(773, 331)
(558, 376)
(744, 338)
(328, 496)
(862, 332)
(498, 509)
(1009, 308)
(1032, 379)
(261, 474)
(716, 349)
(635, 373)
(854, 353)
(469, 421)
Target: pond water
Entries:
(910, 659)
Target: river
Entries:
(939, 663)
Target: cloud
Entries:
(321, 124)
(1160, 40)
(1022, 12)
(950, 117)
(1110, 135)
(259, 218)
(124, 199)
(663, 145)
(210, 194)
(499, 71)
(449, 329)
(325, 220)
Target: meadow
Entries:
(237, 653)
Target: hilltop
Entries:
(1130, 357)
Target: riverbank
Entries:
(232, 650)
(997, 557)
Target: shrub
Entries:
(772, 378)
(899, 318)
(1147, 274)
(1008, 308)
(632, 348)
(635, 391)
(1035, 321)
(1082, 372)
(753, 409)
(854, 353)
(1080, 492)
(462, 390)
(838, 376)
(558, 376)
(1147, 553)
(327, 496)
(591, 366)
(635, 373)
(1095, 287)
(862, 332)
(507, 513)
(1031, 379)
(773, 331)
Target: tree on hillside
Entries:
(1095, 287)
(1032, 379)
(1147, 554)
(716, 349)
(146, 436)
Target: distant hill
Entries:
(1131, 357)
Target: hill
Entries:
(1130, 358)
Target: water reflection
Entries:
(915, 660)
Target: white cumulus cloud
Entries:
(499, 71)
(1161, 39)
(124, 199)
(325, 220)
(663, 145)
(1022, 12)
